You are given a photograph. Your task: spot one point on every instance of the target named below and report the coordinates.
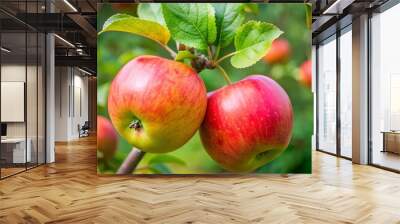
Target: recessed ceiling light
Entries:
(337, 7)
(64, 40)
(5, 50)
(70, 5)
(84, 71)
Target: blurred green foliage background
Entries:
(115, 49)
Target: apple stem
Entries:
(209, 53)
(226, 77)
(225, 57)
(170, 51)
(217, 52)
(131, 161)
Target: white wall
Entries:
(12, 73)
(80, 110)
(62, 81)
(33, 127)
(71, 94)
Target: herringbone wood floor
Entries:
(69, 191)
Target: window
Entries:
(22, 77)
(327, 95)
(346, 92)
(385, 89)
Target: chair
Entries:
(84, 129)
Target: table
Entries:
(391, 141)
(13, 150)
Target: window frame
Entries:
(342, 26)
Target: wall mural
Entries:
(204, 88)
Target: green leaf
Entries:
(102, 94)
(152, 12)
(228, 18)
(184, 55)
(191, 24)
(162, 159)
(134, 25)
(252, 41)
(251, 8)
(159, 168)
(212, 28)
(308, 8)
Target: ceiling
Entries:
(328, 15)
(74, 22)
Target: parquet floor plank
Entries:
(69, 191)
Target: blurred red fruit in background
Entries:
(306, 73)
(107, 138)
(279, 52)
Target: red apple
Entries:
(306, 73)
(279, 52)
(157, 104)
(107, 138)
(247, 124)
